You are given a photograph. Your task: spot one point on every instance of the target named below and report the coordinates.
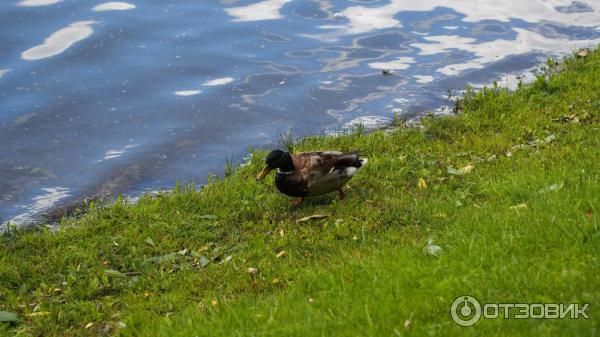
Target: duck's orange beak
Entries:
(263, 173)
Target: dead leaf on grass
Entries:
(422, 184)
(467, 169)
(584, 52)
(519, 206)
(312, 217)
(432, 249)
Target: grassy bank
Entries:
(500, 202)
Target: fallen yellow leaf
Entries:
(89, 325)
(466, 169)
(519, 206)
(281, 253)
(422, 184)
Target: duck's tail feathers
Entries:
(356, 164)
(358, 161)
(350, 171)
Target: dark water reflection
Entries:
(125, 97)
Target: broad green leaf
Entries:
(114, 273)
(6, 316)
(453, 171)
(164, 258)
(150, 242)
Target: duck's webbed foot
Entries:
(342, 194)
(297, 202)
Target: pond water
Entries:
(126, 97)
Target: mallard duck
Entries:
(308, 174)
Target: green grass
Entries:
(522, 226)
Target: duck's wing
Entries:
(310, 166)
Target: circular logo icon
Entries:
(465, 310)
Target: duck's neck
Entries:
(287, 166)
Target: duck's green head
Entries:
(277, 159)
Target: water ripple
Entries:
(187, 92)
(218, 81)
(42, 202)
(526, 42)
(35, 3)
(264, 10)
(60, 40)
(113, 6)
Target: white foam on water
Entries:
(42, 203)
(368, 122)
(113, 6)
(3, 71)
(401, 100)
(34, 3)
(363, 19)
(400, 63)
(264, 10)
(60, 40)
(510, 81)
(218, 81)
(493, 51)
(112, 154)
(455, 69)
(187, 92)
(423, 79)
(151, 193)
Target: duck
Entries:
(309, 174)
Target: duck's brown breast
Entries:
(289, 184)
